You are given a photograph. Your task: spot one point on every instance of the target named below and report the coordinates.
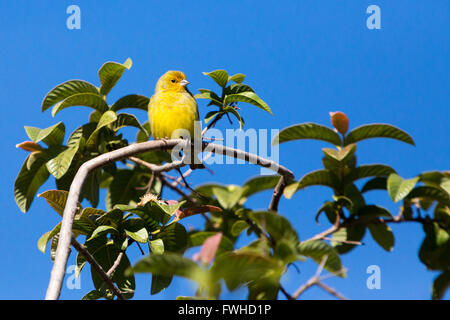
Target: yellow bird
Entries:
(172, 108)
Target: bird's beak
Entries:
(184, 83)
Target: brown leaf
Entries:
(196, 210)
(29, 146)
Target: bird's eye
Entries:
(173, 80)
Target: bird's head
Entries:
(172, 81)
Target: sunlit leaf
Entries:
(219, 76)
(238, 77)
(307, 131)
(398, 187)
(65, 90)
(91, 100)
(377, 131)
(28, 182)
(110, 73)
(168, 264)
(383, 235)
(440, 285)
(134, 101)
(316, 250)
(248, 97)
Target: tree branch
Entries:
(317, 280)
(105, 276)
(277, 193)
(63, 249)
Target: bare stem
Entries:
(105, 276)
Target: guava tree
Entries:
(136, 211)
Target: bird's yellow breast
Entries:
(169, 111)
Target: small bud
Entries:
(146, 198)
(339, 121)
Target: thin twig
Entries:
(212, 123)
(189, 171)
(317, 280)
(331, 291)
(336, 226)
(277, 193)
(115, 264)
(358, 243)
(98, 268)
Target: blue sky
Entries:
(304, 58)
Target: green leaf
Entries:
(59, 165)
(370, 212)
(377, 131)
(135, 101)
(81, 225)
(168, 264)
(101, 230)
(238, 77)
(65, 90)
(210, 95)
(237, 115)
(370, 170)
(79, 137)
(315, 178)
(110, 73)
(377, 183)
(57, 200)
(174, 237)
(245, 267)
(111, 218)
(430, 193)
(135, 229)
(383, 235)
(351, 233)
(307, 131)
(258, 184)
(144, 135)
(341, 155)
(93, 295)
(127, 120)
(105, 253)
(28, 182)
(152, 215)
(248, 97)
(210, 115)
(436, 179)
(91, 100)
(159, 283)
(440, 285)
(122, 189)
(52, 136)
(45, 238)
(219, 76)
(435, 248)
(106, 119)
(398, 187)
(237, 88)
(238, 227)
(316, 250)
(229, 196)
(276, 225)
(90, 190)
(156, 246)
